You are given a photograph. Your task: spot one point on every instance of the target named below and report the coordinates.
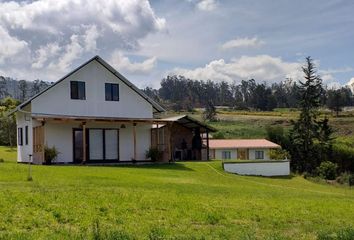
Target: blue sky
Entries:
(201, 39)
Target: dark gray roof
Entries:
(97, 58)
(190, 122)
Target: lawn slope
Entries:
(177, 201)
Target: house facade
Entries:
(242, 149)
(93, 114)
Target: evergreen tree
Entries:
(305, 129)
(22, 86)
(210, 112)
(325, 140)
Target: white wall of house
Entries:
(24, 150)
(218, 153)
(252, 153)
(270, 168)
(57, 100)
(60, 135)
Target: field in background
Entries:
(251, 124)
(175, 201)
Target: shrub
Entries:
(219, 135)
(278, 154)
(351, 180)
(2, 160)
(50, 154)
(343, 178)
(327, 170)
(154, 154)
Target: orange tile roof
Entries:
(242, 143)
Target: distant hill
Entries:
(21, 89)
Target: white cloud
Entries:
(337, 70)
(57, 33)
(122, 63)
(207, 5)
(43, 53)
(9, 45)
(350, 84)
(242, 42)
(261, 68)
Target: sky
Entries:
(216, 40)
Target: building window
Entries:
(226, 155)
(77, 90)
(19, 137)
(26, 135)
(259, 154)
(112, 92)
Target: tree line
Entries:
(21, 89)
(181, 93)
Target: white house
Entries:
(93, 114)
(243, 149)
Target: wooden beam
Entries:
(134, 139)
(169, 147)
(207, 138)
(157, 136)
(84, 143)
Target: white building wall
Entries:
(218, 153)
(252, 153)
(25, 150)
(57, 100)
(270, 168)
(60, 135)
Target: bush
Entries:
(327, 170)
(351, 180)
(2, 160)
(343, 178)
(154, 154)
(279, 154)
(50, 154)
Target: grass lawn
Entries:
(177, 201)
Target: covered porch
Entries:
(82, 140)
(181, 138)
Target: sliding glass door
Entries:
(103, 145)
(111, 144)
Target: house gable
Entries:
(95, 73)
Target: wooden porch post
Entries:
(207, 136)
(169, 146)
(134, 139)
(84, 143)
(157, 136)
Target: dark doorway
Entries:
(78, 145)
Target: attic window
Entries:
(112, 92)
(77, 90)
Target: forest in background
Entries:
(179, 93)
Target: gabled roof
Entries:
(190, 122)
(241, 143)
(97, 58)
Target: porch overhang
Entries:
(64, 118)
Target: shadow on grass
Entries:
(162, 166)
(289, 177)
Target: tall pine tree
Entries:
(305, 129)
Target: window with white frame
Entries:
(226, 154)
(259, 154)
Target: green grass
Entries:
(176, 201)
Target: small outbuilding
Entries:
(242, 149)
